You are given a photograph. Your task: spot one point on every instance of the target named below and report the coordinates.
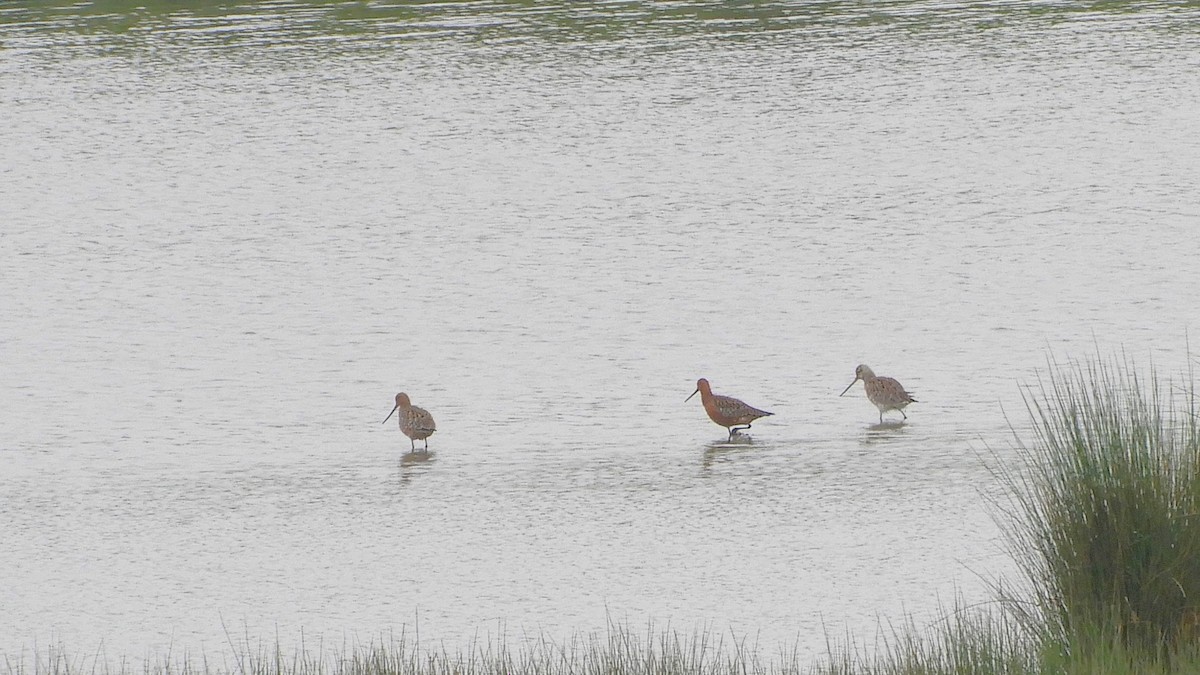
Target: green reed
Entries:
(1106, 524)
(619, 651)
(972, 640)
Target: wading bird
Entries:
(416, 423)
(886, 393)
(726, 411)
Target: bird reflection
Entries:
(415, 463)
(884, 432)
(723, 450)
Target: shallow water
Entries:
(231, 235)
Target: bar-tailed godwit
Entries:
(886, 393)
(726, 411)
(416, 423)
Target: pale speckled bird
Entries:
(416, 423)
(885, 392)
(726, 411)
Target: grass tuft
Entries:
(964, 641)
(1106, 526)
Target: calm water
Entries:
(229, 235)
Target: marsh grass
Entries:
(619, 651)
(974, 640)
(1105, 523)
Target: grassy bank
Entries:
(1103, 520)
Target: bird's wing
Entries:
(421, 419)
(731, 407)
(894, 390)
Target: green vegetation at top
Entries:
(116, 25)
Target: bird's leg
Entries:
(881, 417)
(735, 430)
(902, 413)
(412, 445)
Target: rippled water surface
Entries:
(231, 232)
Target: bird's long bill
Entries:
(693, 394)
(848, 387)
(390, 414)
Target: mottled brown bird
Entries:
(886, 393)
(416, 423)
(726, 411)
